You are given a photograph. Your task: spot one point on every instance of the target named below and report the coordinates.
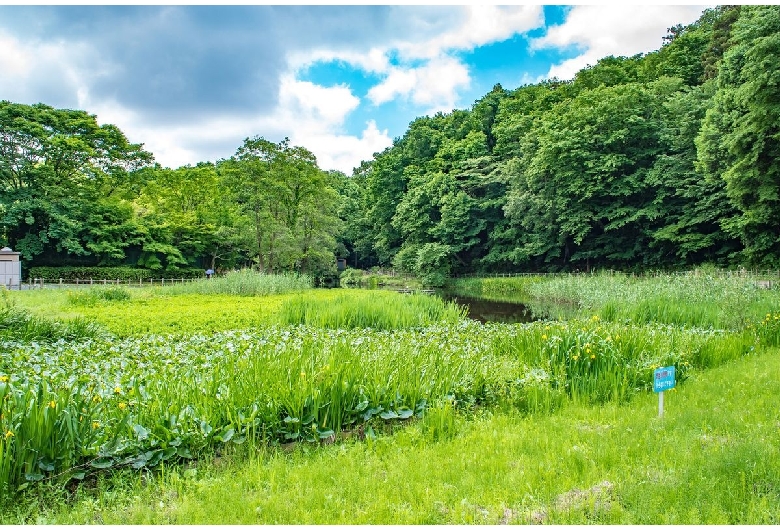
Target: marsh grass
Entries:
(370, 309)
(171, 398)
(245, 282)
(515, 288)
(146, 400)
(713, 459)
(97, 295)
(17, 324)
(699, 298)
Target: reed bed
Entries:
(98, 295)
(369, 309)
(245, 282)
(699, 298)
(307, 368)
(72, 407)
(510, 288)
(17, 324)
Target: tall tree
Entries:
(57, 167)
(288, 201)
(581, 192)
(740, 138)
(690, 206)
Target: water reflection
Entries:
(492, 311)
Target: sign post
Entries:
(663, 379)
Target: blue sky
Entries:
(192, 82)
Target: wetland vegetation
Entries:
(114, 398)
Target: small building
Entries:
(341, 264)
(10, 269)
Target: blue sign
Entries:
(663, 379)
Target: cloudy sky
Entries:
(192, 82)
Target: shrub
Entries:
(351, 278)
(123, 274)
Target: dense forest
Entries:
(663, 160)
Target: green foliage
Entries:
(59, 170)
(599, 172)
(123, 274)
(351, 278)
(288, 204)
(430, 262)
(738, 141)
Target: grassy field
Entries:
(346, 406)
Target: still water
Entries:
(492, 311)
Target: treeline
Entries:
(665, 160)
(78, 194)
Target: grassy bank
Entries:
(712, 459)
(698, 298)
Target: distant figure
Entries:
(209, 273)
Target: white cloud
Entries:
(325, 105)
(344, 152)
(15, 61)
(433, 85)
(312, 116)
(483, 24)
(375, 60)
(31, 67)
(620, 30)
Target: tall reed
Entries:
(375, 309)
(142, 401)
(698, 298)
(245, 282)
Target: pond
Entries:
(492, 311)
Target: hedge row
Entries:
(68, 274)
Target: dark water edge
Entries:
(484, 310)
